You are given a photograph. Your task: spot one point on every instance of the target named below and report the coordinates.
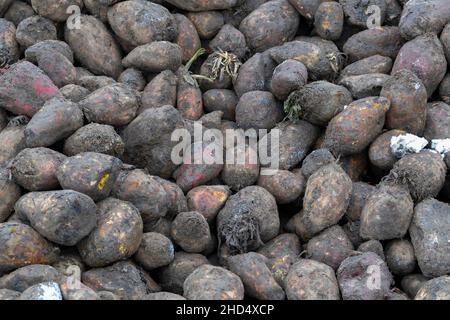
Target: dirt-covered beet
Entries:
(118, 233)
(35, 168)
(213, 283)
(311, 280)
(64, 217)
(326, 199)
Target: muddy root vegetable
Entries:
(35, 169)
(428, 230)
(191, 232)
(28, 246)
(325, 201)
(64, 217)
(352, 130)
(214, 283)
(155, 251)
(208, 200)
(311, 280)
(9, 193)
(257, 279)
(90, 173)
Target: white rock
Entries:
(407, 144)
(441, 145)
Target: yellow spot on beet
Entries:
(326, 24)
(102, 182)
(122, 248)
(220, 196)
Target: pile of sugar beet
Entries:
(92, 206)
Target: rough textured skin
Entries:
(115, 105)
(35, 29)
(435, 289)
(118, 234)
(191, 173)
(384, 41)
(326, 199)
(296, 139)
(311, 280)
(387, 213)
(231, 40)
(56, 120)
(147, 140)
(94, 47)
(161, 91)
(94, 138)
(144, 192)
(361, 191)
(255, 74)
(372, 64)
(241, 173)
(155, 57)
(425, 57)
(9, 49)
(256, 202)
(257, 279)
(64, 217)
(142, 22)
(356, 277)
(258, 110)
(221, 100)
(329, 20)
(12, 140)
(331, 247)
(9, 193)
(35, 169)
(429, 235)
(90, 173)
(281, 23)
(55, 10)
(155, 251)
(93, 83)
(400, 257)
(203, 5)
(213, 283)
(408, 98)
(133, 78)
(208, 200)
(320, 101)
(316, 159)
(174, 275)
(310, 54)
(190, 231)
(423, 173)
(189, 97)
(187, 37)
(288, 76)
(18, 11)
(422, 16)
(29, 247)
(284, 185)
(307, 8)
(358, 12)
(124, 279)
(380, 154)
(374, 246)
(42, 47)
(24, 88)
(438, 121)
(223, 81)
(352, 130)
(25, 277)
(207, 23)
(365, 85)
(74, 93)
(177, 199)
(282, 251)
